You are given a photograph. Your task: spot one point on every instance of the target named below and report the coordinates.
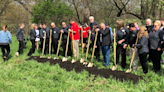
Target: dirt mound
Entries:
(78, 67)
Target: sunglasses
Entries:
(155, 25)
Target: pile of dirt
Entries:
(78, 67)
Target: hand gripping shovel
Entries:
(43, 46)
(91, 63)
(65, 58)
(129, 70)
(82, 59)
(58, 46)
(73, 60)
(85, 63)
(114, 67)
(50, 44)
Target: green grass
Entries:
(18, 75)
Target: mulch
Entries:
(78, 67)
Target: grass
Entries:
(19, 75)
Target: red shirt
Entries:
(85, 32)
(75, 27)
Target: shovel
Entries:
(129, 70)
(50, 44)
(114, 67)
(85, 63)
(82, 59)
(58, 46)
(65, 58)
(73, 60)
(91, 63)
(43, 46)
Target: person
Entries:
(162, 24)
(149, 25)
(41, 34)
(105, 42)
(121, 37)
(131, 39)
(20, 38)
(99, 40)
(37, 37)
(136, 25)
(47, 30)
(142, 46)
(5, 41)
(85, 35)
(55, 36)
(110, 28)
(32, 39)
(127, 25)
(64, 30)
(76, 34)
(155, 46)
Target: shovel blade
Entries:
(85, 63)
(49, 57)
(42, 56)
(73, 60)
(114, 68)
(81, 60)
(55, 58)
(128, 71)
(90, 65)
(64, 59)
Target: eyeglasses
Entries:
(63, 24)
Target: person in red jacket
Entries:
(85, 34)
(75, 28)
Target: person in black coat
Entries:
(32, 39)
(143, 49)
(121, 37)
(20, 38)
(64, 30)
(155, 44)
(55, 36)
(47, 30)
(105, 42)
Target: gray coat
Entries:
(142, 45)
(55, 33)
(19, 35)
(155, 39)
(32, 34)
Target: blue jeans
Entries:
(106, 54)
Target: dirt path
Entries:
(119, 75)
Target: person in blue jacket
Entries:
(5, 41)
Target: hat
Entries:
(107, 24)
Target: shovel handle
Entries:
(133, 53)
(58, 46)
(44, 44)
(88, 45)
(94, 47)
(73, 44)
(50, 42)
(114, 48)
(82, 42)
(67, 44)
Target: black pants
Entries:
(21, 46)
(41, 43)
(122, 51)
(64, 44)
(46, 46)
(143, 61)
(97, 51)
(156, 57)
(55, 45)
(5, 47)
(32, 50)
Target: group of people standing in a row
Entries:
(147, 39)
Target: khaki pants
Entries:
(76, 48)
(135, 60)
